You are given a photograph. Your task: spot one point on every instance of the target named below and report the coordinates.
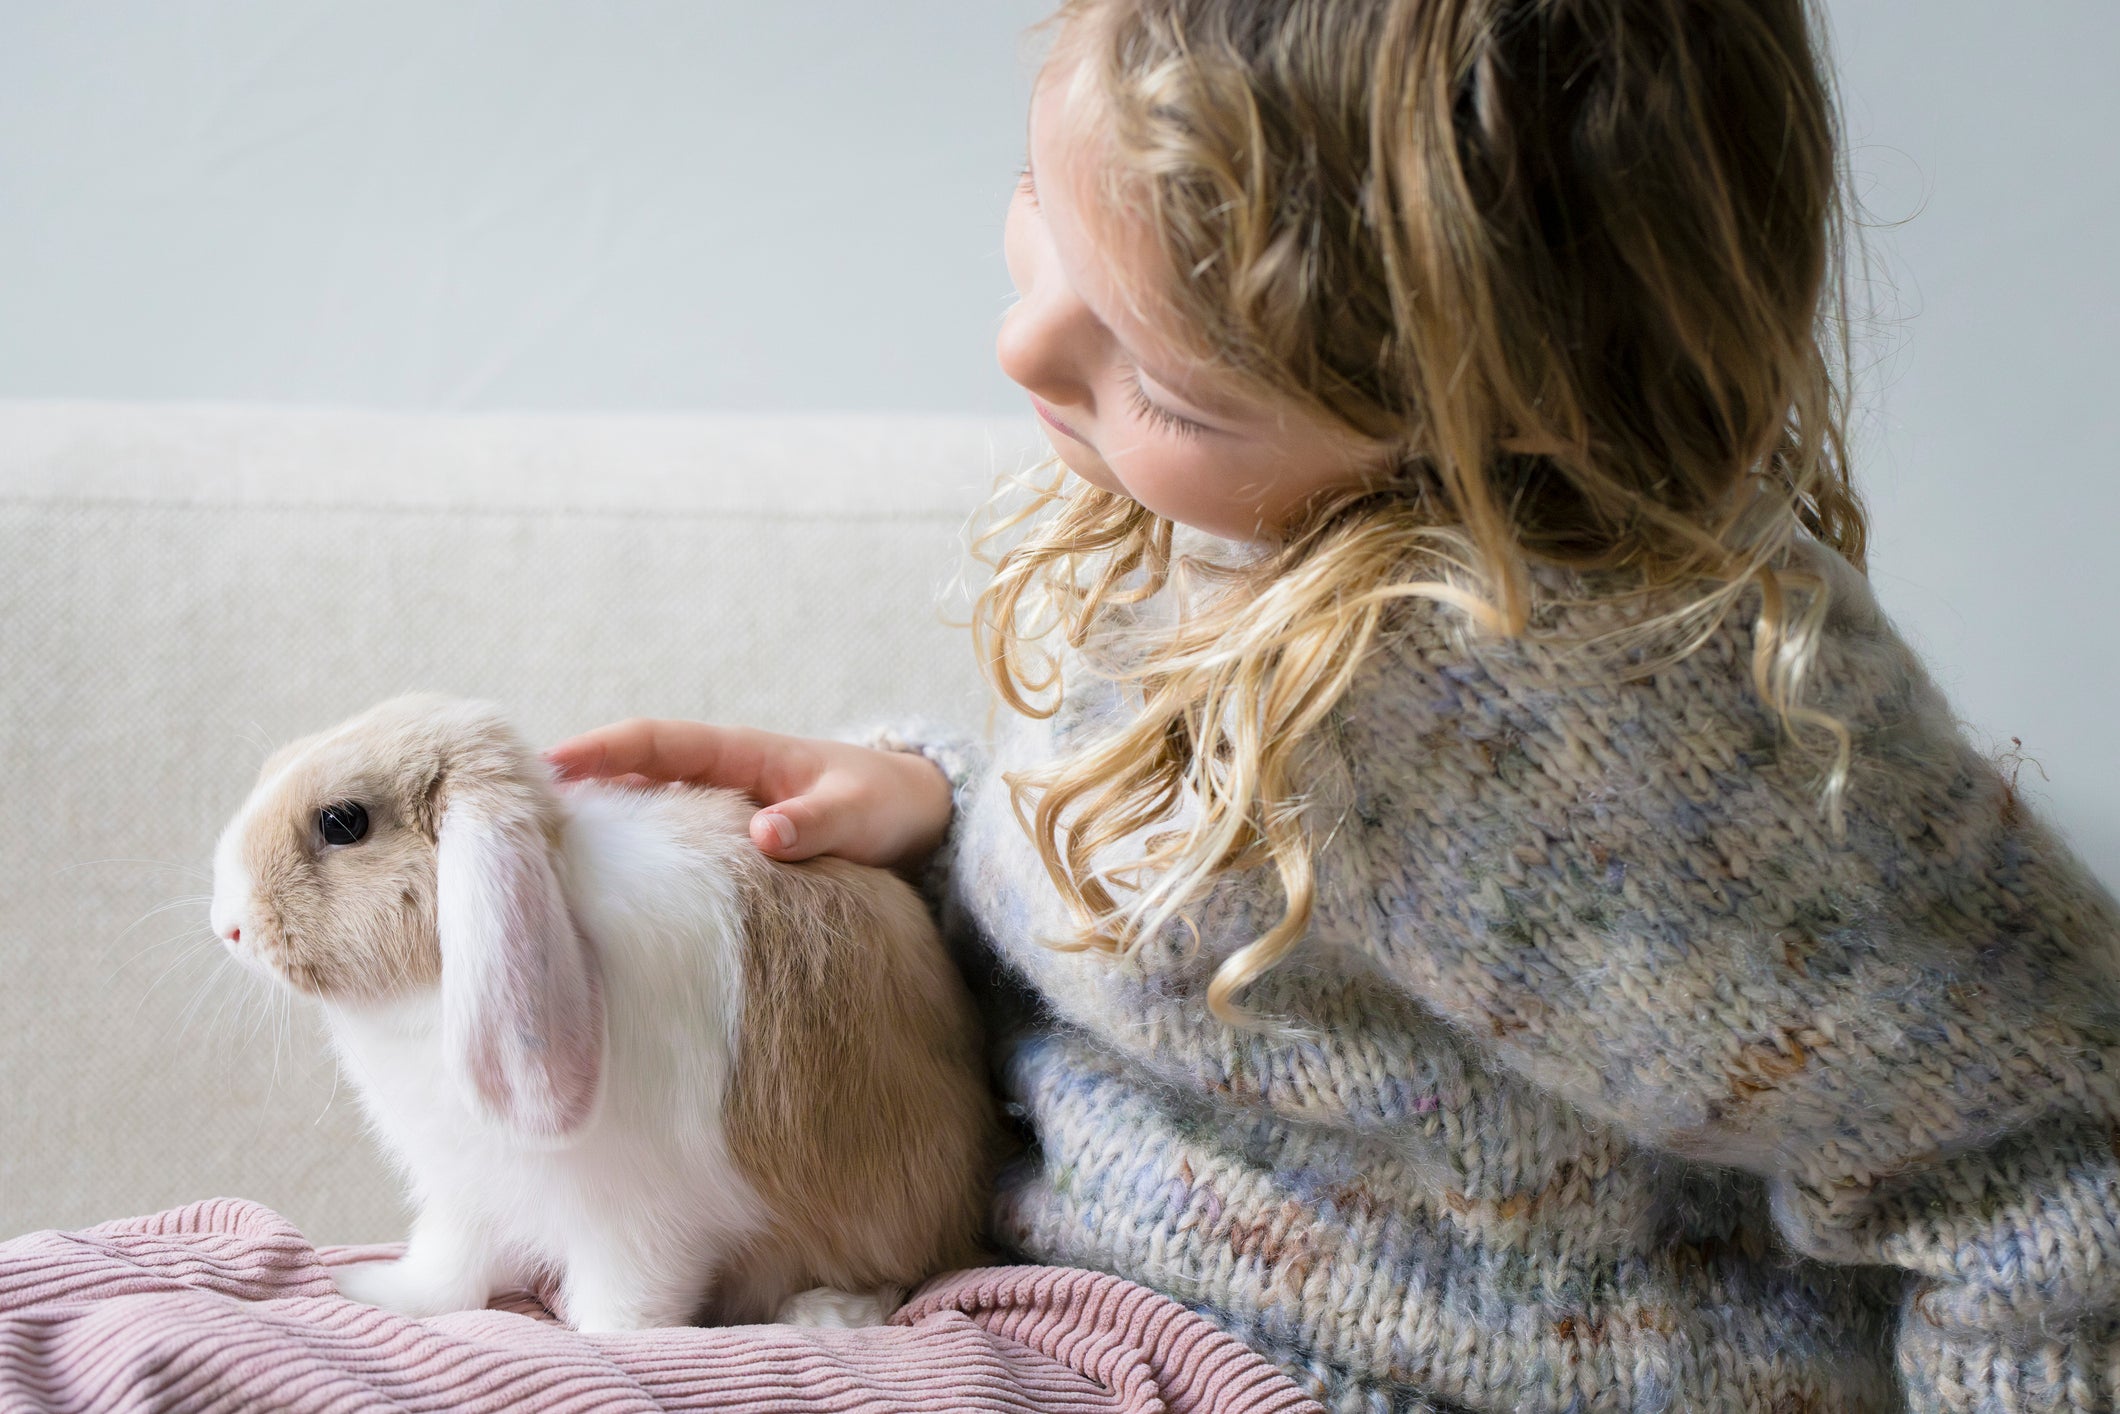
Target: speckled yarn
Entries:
(1615, 1082)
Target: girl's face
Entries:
(1123, 404)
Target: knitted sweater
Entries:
(1615, 1082)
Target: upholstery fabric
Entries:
(183, 588)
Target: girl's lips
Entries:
(1047, 413)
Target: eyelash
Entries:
(1161, 416)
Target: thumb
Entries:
(800, 828)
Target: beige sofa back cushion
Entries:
(184, 588)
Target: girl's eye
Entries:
(1162, 416)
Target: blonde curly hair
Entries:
(1578, 262)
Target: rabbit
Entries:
(606, 1040)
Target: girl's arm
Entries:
(1627, 896)
(889, 807)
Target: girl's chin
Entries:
(1094, 472)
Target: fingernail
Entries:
(783, 830)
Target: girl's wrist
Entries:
(924, 793)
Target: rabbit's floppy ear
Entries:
(522, 1006)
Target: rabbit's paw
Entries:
(821, 1307)
(408, 1288)
(605, 1292)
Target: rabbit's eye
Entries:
(344, 823)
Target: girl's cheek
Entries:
(1159, 477)
(1230, 494)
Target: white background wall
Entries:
(673, 204)
(1988, 137)
(579, 204)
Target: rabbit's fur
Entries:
(607, 1040)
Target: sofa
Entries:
(186, 587)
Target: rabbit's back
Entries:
(860, 1108)
(790, 1046)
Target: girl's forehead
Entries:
(1106, 249)
(1069, 139)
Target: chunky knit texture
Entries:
(1607, 1079)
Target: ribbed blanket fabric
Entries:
(223, 1306)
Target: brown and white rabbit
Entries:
(605, 1038)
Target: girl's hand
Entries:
(889, 808)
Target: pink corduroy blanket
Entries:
(224, 1305)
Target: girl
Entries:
(1484, 906)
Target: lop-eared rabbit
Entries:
(605, 1039)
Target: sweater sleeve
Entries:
(1630, 897)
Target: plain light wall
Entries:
(1985, 145)
(522, 204)
(673, 204)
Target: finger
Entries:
(577, 757)
(763, 765)
(585, 758)
(634, 747)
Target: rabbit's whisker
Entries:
(336, 1070)
(181, 958)
(213, 1027)
(264, 1014)
(174, 903)
(279, 1006)
(187, 936)
(199, 994)
(172, 865)
(256, 736)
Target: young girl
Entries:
(1486, 908)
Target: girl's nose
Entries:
(1043, 344)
